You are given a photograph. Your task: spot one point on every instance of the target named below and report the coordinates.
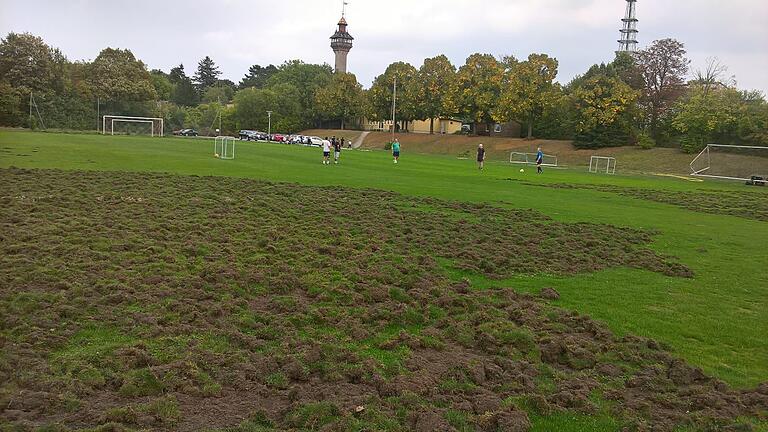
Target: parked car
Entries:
(246, 134)
(278, 138)
(185, 132)
(315, 141)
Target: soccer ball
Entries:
(216, 155)
(522, 170)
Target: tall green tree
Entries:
(27, 63)
(663, 67)
(257, 76)
(207, 74)
(381, 93)
(184, 91)
(342, 99)
(527, 90)
(605, 112)
(117, 75)
(162, 84)
(432, 88)
(477, 87)
(307, 79)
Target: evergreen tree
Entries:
(207, 74)
(257, 76)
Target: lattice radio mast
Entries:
(628, 41)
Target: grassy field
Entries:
(679, 262)
(630, 158)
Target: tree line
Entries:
(642, 99)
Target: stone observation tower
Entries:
(341, 42)
(628, 42)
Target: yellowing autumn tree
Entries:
(605, 111)
(476, 90)
(527, 90)
(432, 88)
(342, 99)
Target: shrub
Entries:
(646, 142)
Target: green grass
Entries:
(717, 320)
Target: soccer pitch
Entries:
(698, 283)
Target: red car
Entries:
(278, 138)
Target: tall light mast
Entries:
(628, 41)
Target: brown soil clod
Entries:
(550, 294)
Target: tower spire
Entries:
(341, 41)
(628, 41)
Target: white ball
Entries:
(215, 155)
(522, 170)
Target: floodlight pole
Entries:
(269, 126)
(98, 112)
(394, 105)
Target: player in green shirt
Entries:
(396, 150)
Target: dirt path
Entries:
(359, 141)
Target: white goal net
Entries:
(731, 162)
(128, 125)
(602, 164)
(530, 159)
(224, 147)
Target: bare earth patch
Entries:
(148, 301)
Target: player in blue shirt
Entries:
(539, 161)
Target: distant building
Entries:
(341, 43)
(443, 125)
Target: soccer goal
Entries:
(530, 159)
(128, 125)
(731, 162)
(600, 164)
(224, 147)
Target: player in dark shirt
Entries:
(480, 157)
(336, 151)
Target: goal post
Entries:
(530, 159)
(224, 147)
(599, 164)
(731, 162)
(157, 125)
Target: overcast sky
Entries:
(239, 33)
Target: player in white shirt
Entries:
(326, 152)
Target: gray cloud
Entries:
(239, 33)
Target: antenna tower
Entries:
(628, 41)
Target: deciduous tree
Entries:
(477, 87)
(117, 75)
(604, 112)
(527, 90)
(380, 95)
(342, 98)
(663, 67)
(432, 88)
